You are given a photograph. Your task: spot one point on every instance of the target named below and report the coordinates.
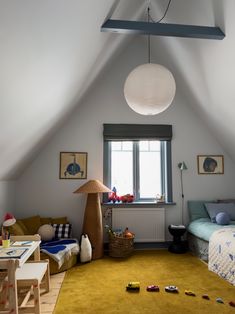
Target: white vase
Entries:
(86, 250)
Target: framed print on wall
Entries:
(73, 165)
(210, 164)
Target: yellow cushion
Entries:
(22, 225)
(16, 229)
(60, 220)
(32, 224)
(46, 220)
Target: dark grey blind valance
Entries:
(133, 132)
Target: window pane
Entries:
(150, 174)
(155, 146)
(122, 170)
(127, 146)
(144, 145)
(116, 145)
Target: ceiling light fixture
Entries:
(149, 88)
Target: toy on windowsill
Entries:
(113, 196)
(160, 198)
(127, 198)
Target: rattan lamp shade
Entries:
(92, 222)
(93, 186)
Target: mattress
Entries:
(203, 228)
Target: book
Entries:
(177, 226)
(12, 252)
(22, 243)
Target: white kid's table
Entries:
(12, 263)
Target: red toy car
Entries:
(153, 288)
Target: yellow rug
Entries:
(99, 286)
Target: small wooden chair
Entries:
(32, 276)
(3, 291)
(6, 269)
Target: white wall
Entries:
(39, 190)
(7, 198)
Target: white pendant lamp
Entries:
(150, 88)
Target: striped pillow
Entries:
(62, 230)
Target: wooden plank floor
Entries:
(48, 300)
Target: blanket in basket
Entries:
(222, 253)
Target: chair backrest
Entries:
(6, 267)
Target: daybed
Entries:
(31, 225)
(210, 241)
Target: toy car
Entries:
(152, 288)
(172, 289)
(206, 297)
(133, 286)
(191, 293)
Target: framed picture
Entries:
(73, 165)
(210, 164)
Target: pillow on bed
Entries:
(222, 219)
(62, 230)
(197, 209)
(213, 209)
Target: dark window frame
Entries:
(133, 132)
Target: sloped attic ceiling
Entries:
(51, 51)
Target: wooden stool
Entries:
(31, 276)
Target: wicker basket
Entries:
(120, 246)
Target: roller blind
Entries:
(132, 132)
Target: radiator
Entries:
(148, 224)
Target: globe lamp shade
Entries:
(149, 89)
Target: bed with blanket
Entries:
(60, 250)
(209, 239)
(62, 254)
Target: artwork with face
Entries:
(210, 164)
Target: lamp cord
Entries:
(150, 18)
(164, 15)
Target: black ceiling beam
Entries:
(162, 29)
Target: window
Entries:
(138, 161)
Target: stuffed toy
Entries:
(86, 250)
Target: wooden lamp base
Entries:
(93, 226)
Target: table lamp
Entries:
(8, 220)
(92, 222)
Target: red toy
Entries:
(127, 198)
(153, 288)
(113, 196)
